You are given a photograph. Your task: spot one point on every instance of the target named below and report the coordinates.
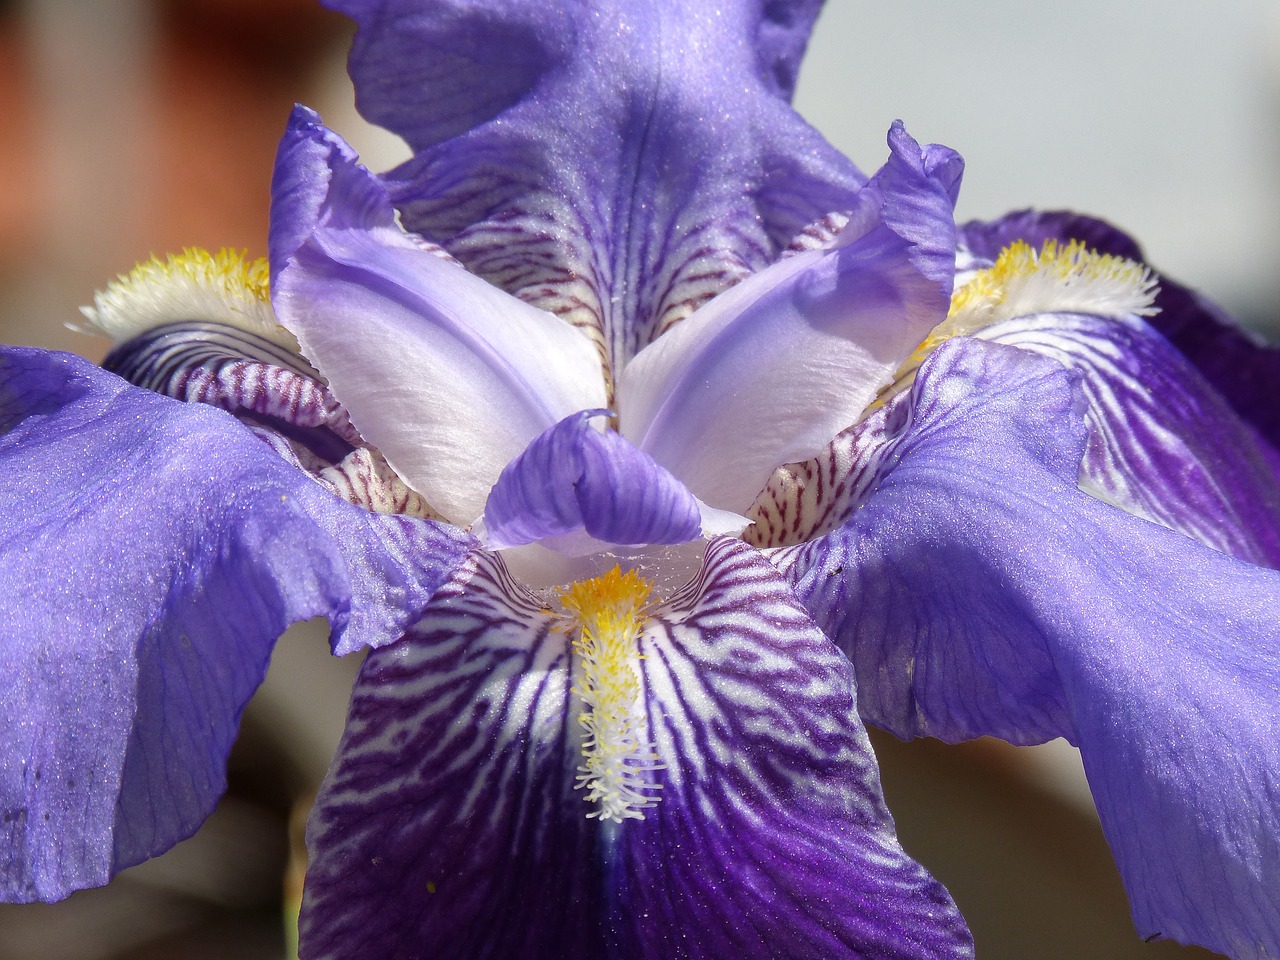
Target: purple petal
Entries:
(979, 592)
(771, 838)
(575, 477)
(449, 377)
(987, 238)
(450, 827)
(1238, 364)
(770, 371)
(1162, 443)
(242, 373)
(152, 552)
(616, 163)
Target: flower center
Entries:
(619, 759)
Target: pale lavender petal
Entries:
(151, 553)
(448, 376)
(614, 162)
(575, 477)
(770, 371)
(449, 826)
(979, 592)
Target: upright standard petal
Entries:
(979, 592)
(150, 554)
(771, 370)
(744, 817)
(613, 162)
(448, 376)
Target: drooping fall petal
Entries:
(150, 554)
(1163, 444)
(980, 592)
(450, 825)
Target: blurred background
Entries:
(132, 127)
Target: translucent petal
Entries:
(448, 376)
(771, 370)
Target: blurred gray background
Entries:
(140, 126)
(1162, 116)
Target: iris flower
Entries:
(650, 447)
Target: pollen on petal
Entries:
(1057, 278)
(224, 287)
(619, 759)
